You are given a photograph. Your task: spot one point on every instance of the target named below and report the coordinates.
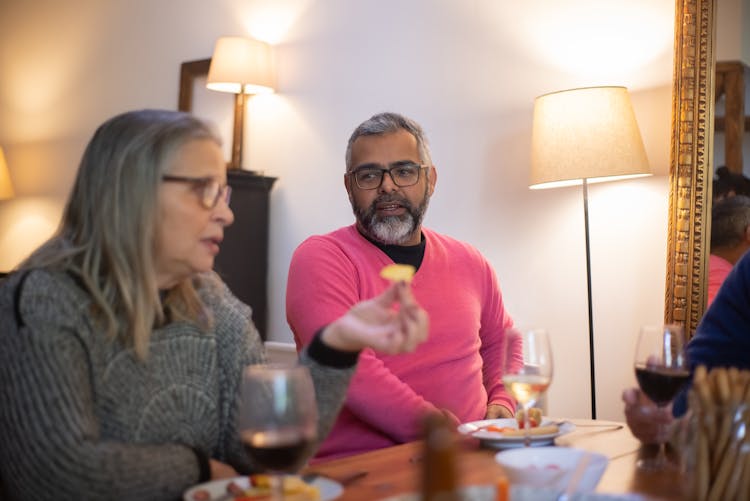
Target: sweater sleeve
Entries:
(497, 351)
(48, 427)
(322, 286)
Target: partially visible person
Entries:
(730, 239)
(389, 179)
(122, 381)
(727, 184)
(722, 339)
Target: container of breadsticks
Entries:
(716, 436)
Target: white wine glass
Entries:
(662, 370)
(277, 419)
(529, 378)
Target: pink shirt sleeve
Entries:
(497, 352)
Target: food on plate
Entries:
(259, 489)
(508, 431)
(398, 272)
(535, 417)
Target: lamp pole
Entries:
(588, 289)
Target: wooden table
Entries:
(398, 469)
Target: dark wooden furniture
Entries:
(243, 259)
(397, 470)
(732, 82)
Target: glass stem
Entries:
(526, 426)
(277, 487)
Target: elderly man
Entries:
(389, 179)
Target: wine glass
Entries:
(661, 368)
(277, 419)
(530, 374)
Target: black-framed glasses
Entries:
(402, 175)
(209, 189)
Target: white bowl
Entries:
(551, 467)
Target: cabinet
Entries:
(243, 259)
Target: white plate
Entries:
(520, 493)
(497, 440)
(329, 489)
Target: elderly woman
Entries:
(122, 381)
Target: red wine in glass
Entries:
(661, 384)
(662, 370)
(279, 451)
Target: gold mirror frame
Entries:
(691, 160)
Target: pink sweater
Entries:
(458, 368)
(718, 269)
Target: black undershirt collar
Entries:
(402, 254)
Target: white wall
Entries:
(467, 70)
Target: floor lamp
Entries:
(241, 66)
(583, 136)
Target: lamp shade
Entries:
(6, 187)
(588, 133)
(241, 65)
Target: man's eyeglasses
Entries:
(402, 175)
(209, 189)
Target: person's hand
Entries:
(497, 411)
(221, 470)
(376, 324)
(649, 423)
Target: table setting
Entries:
(528, 458)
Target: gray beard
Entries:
(391, 230)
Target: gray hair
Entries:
(383, 123)
(730, 218)
(107, 232)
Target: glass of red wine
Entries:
(662, 370)
(277, 419)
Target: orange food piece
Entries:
(398, 272)
(503, 489)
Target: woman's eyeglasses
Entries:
(209, 189)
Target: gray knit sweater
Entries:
(82, 418)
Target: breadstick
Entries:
(722, 384)
(702, 466)
(723, 440)
(744, 486)
(720, 488)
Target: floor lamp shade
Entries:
(589, 133)
(6, 187)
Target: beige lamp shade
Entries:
(241, 65)
(589, 133)
(6, 187)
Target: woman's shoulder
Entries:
(43, 297)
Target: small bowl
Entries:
(551, 467)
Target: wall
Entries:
(468, 71)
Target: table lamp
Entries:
(6, 187)
(241, 66)
(583, 136)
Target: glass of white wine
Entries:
(529, 378)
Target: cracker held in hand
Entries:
(398, 272)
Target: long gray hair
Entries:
(383, 123)
(107, 233)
